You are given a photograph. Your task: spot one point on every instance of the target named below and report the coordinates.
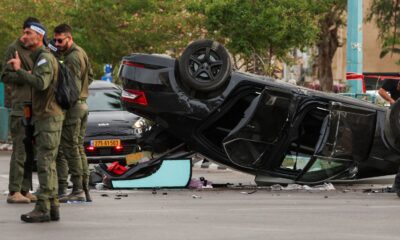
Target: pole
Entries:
(354, 43)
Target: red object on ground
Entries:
(116, 168)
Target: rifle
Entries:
(85, 184)
(28, 142)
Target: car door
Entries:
(258, 135)
(346, 138)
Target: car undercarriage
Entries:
(278, 132)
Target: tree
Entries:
(13, 13)
(330, 19)
(259, 32)
(386, 14)
(109, 29)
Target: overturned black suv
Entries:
(279, 132)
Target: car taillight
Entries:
(132, 64)
(90, 148)
(119, 148)
(134, 96)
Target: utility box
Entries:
(4, 116)
(2, 95)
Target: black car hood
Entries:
(110, 123)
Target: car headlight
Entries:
(141, 125)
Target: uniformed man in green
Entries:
(72, 155)
(47, 118)
(21, 96)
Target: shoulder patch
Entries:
(41, 62)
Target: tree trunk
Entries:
(327, 45)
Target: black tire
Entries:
(205, 66)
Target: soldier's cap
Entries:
(39, 28)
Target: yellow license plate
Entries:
(105, 143)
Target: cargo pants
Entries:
(71, 157)
(17, 182)
(47, 139)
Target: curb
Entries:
(5, 147)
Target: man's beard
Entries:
(63, 49)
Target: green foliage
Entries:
(321, 7)
(13, 13)
(257, 32)
(386, 15)
(109, 29)
(261, 30)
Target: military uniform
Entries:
(21, 95)
(47, 118)
(72, 155)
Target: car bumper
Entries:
(109, 154)
(105, 159)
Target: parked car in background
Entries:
(110, 133)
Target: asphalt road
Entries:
(346, 213)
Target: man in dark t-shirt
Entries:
(393, 87)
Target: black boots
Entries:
(36, 216)
(39, 215)
(74, 196)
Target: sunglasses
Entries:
(59, 40)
